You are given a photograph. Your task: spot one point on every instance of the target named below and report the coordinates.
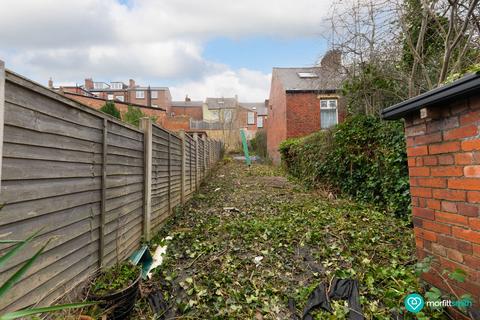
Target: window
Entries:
(215, 115)
(227, 115)
(140, 94)
(251, 118)
(110, 97)
(328, 113)
(116, 85)
(307, 75)
(154, 94)
(155, 105)
(260, 122)
(120, 98)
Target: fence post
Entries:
(204, 157)
(146, 127)
(195, 139)
(103, 195)
(2, 110)
(169, 173)
(181, 133)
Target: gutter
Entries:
(466, 85)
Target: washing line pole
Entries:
(245, 147)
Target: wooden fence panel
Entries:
(80, 177)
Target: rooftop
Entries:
(258, 107)
(221, 103)
(465, 85)
(308, 78)
(187, 104)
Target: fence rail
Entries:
(95, 186)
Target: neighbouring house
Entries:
(97, 103)
(443, 148)
(189, 108)
(256, 117)
(304, 100)
(155, 97)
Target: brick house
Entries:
(97, 103)
(155, 97)
(302, 101)
(189, 108)
(256, 115)
(443, 148)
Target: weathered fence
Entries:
(93, 185)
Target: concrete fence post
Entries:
(103, 195)
(146, 127)
(2, 110)
(205, 146)
(170, 202)
(195, 139)
(181, 133)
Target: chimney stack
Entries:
(88, 84)
(131, 83)
(187, 98)
(50, 83)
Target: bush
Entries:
(134, 114)
(259, 143)
(109, 108)
(364, 157)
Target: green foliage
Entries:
(115, 278)
(259, 143)
(109, 108)
(134, 114)
(364, 157)
(9, 283)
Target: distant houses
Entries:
(302, 101)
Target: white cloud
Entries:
(146, 40)
(249, 85)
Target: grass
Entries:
(251, 240)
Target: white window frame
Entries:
(154, 105)
(140, 94)
(154, 94)
(120, 98)
(110, 97)
(116, 85)
(250, 118)
(328, 108)
(259, 122)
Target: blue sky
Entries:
(201, 48)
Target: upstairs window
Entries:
(110, 97)
(140, 94)
(154, 94)
(259, 122)
(251, 118)
(120, 98)
(328, 113)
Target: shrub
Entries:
(109, 108)
(134, 114)
(364, 157)
(259, 143)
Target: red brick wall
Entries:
(277, 120)
(96, 103)
(303, 114)
(444, 164)
(193, 112)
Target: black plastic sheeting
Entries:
(340, 289)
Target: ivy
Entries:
(364, 158)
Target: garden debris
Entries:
(160, 251)
(217, 189)
(231, 209)
(144, 257)
(157, 302)
(258, 260)
(340, 289)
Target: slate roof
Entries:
(187, 104)
(327, 80)
(221, 103)
(260, 107)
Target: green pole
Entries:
(245, 147)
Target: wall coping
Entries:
(462, 86)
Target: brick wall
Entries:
(193, 112)
(444, 164)
(303, 114)
(277, 120)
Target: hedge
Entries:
(363, 157)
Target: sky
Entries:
(200, 48)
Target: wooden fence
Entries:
(93, 185)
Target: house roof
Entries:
(67, 93)
(221, 103)
(465, 85)
(258, 107)
(310, 79)
(187, 104)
